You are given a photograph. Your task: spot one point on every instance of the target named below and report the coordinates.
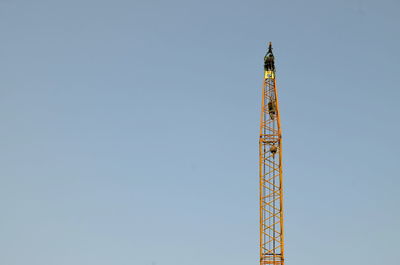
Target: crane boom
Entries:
(270, 155)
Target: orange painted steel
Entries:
(270, 155)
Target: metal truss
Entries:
(270, 154)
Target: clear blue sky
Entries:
(129, 130)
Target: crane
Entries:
(270, 156)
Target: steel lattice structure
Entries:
(270, 148)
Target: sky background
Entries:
(129, 130)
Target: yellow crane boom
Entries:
(270, 154)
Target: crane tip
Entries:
(269, 48)
(269, 59)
